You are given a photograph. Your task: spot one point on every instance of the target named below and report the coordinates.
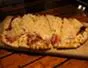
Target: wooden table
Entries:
(10, 59)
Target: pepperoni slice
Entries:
(55, 39)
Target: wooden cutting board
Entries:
(81, 52)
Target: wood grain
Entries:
(46, 62)
(73, 63)
(16, 60)
(4, 53)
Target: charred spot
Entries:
(82, 29)
(9, 27)
(10, 24)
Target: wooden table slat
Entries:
(4, 53)
(16, 60)
(73, 63)
(46, 62)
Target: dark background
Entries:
(13, 7)
(31, 5)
